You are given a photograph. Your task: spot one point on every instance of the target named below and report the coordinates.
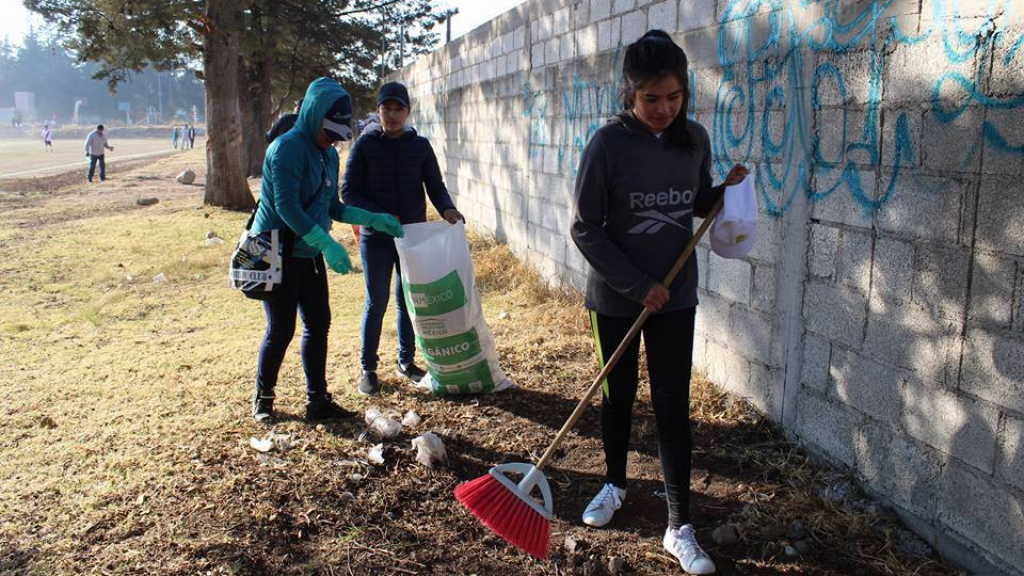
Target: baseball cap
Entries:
(337, 120)
(393, 91)
(734, 232)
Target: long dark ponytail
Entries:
(651, 58)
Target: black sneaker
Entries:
(263, 406)
(325, 409)
(368, 383)
(411, 371)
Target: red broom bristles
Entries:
(507, 514)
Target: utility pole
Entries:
(159, 96)
(401, 45)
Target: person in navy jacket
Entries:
(388, 169)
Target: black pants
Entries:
(92, 166)
(305, 291)
(669, 342)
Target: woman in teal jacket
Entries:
(300, 193)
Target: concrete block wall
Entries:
(879, 318)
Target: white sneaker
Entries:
(601, 509)
(682, 543)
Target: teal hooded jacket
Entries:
(295, 169)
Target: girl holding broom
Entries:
(641, 180)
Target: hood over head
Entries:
(322, 97)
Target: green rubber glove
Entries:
(334, 253)
(385, 223)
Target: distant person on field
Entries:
(48, 138)
(95, 147)
(284, 123)
(388, 169)
(192, 136)
(174, 138)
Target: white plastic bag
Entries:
(440, 294)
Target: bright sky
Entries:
(472, 13)
(15, 19)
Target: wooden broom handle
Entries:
(633, 331)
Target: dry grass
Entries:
(125, 403)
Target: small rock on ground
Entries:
(725, 535)
(147, 201)
(616, 565)
(796, 530)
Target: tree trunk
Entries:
(225, 175)
(255, 89)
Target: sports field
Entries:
(25, 157)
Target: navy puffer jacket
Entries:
(389, 174)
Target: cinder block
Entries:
(822, 255)
(763, 298)
(914, 338)
(954, 144)
(1003, 148)
(902, 137)
(694, 15)
(545, 28)
(726, 368)
(730, 279)
(634, 25)
(520, 38)
(993, 368)
(586, 40)
(768, 247)
(853, 260)
(713, 317)
(892, 273)
(1010, 463)
(992, 290)
(663, 15)
(816, 362)
(906, 471)
(600, 9)
(1008, 60)
(826, 427)
(620, 6)
(751, 335)
(567, 51)
(835, 312)
(927, 207)
(866, 385)
(844, 79)
(950, 422)
(838, 204)
(703, 255)
(1000, 217)
(700, 363)
(759, 390)
(552, 51)
(560, 22)
(983, 512)
(537, 55)
(940, 279)
(608, 34)
(911, 70)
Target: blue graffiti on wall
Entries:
(761, 82)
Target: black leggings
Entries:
(668, 339)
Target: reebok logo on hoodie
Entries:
(655, 220)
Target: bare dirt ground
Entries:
(125, 402)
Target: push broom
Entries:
(507, 507)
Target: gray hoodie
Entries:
(635, 200)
